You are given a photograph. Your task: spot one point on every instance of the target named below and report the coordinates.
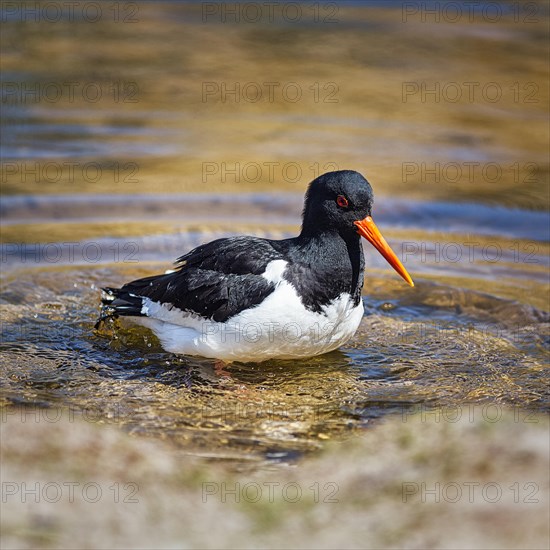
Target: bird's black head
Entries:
(334, 201)
(341, 202)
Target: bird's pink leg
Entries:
(219, 369)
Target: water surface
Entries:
(99, 191)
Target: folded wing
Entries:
(214, 281)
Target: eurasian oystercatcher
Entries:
(250, 299)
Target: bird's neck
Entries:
(330, 244)
(333, 257)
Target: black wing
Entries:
(233, 255)
(216, 281)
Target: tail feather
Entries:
(116, 302)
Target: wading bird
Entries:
(251, 299)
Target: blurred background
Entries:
(224, 97)
(134, 131)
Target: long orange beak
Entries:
(367, 228)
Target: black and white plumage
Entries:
(252, 299)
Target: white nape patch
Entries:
(274, 271)
(279, 327)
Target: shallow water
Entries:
(451, 341)
(475, 329)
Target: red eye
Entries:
(342, 201)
